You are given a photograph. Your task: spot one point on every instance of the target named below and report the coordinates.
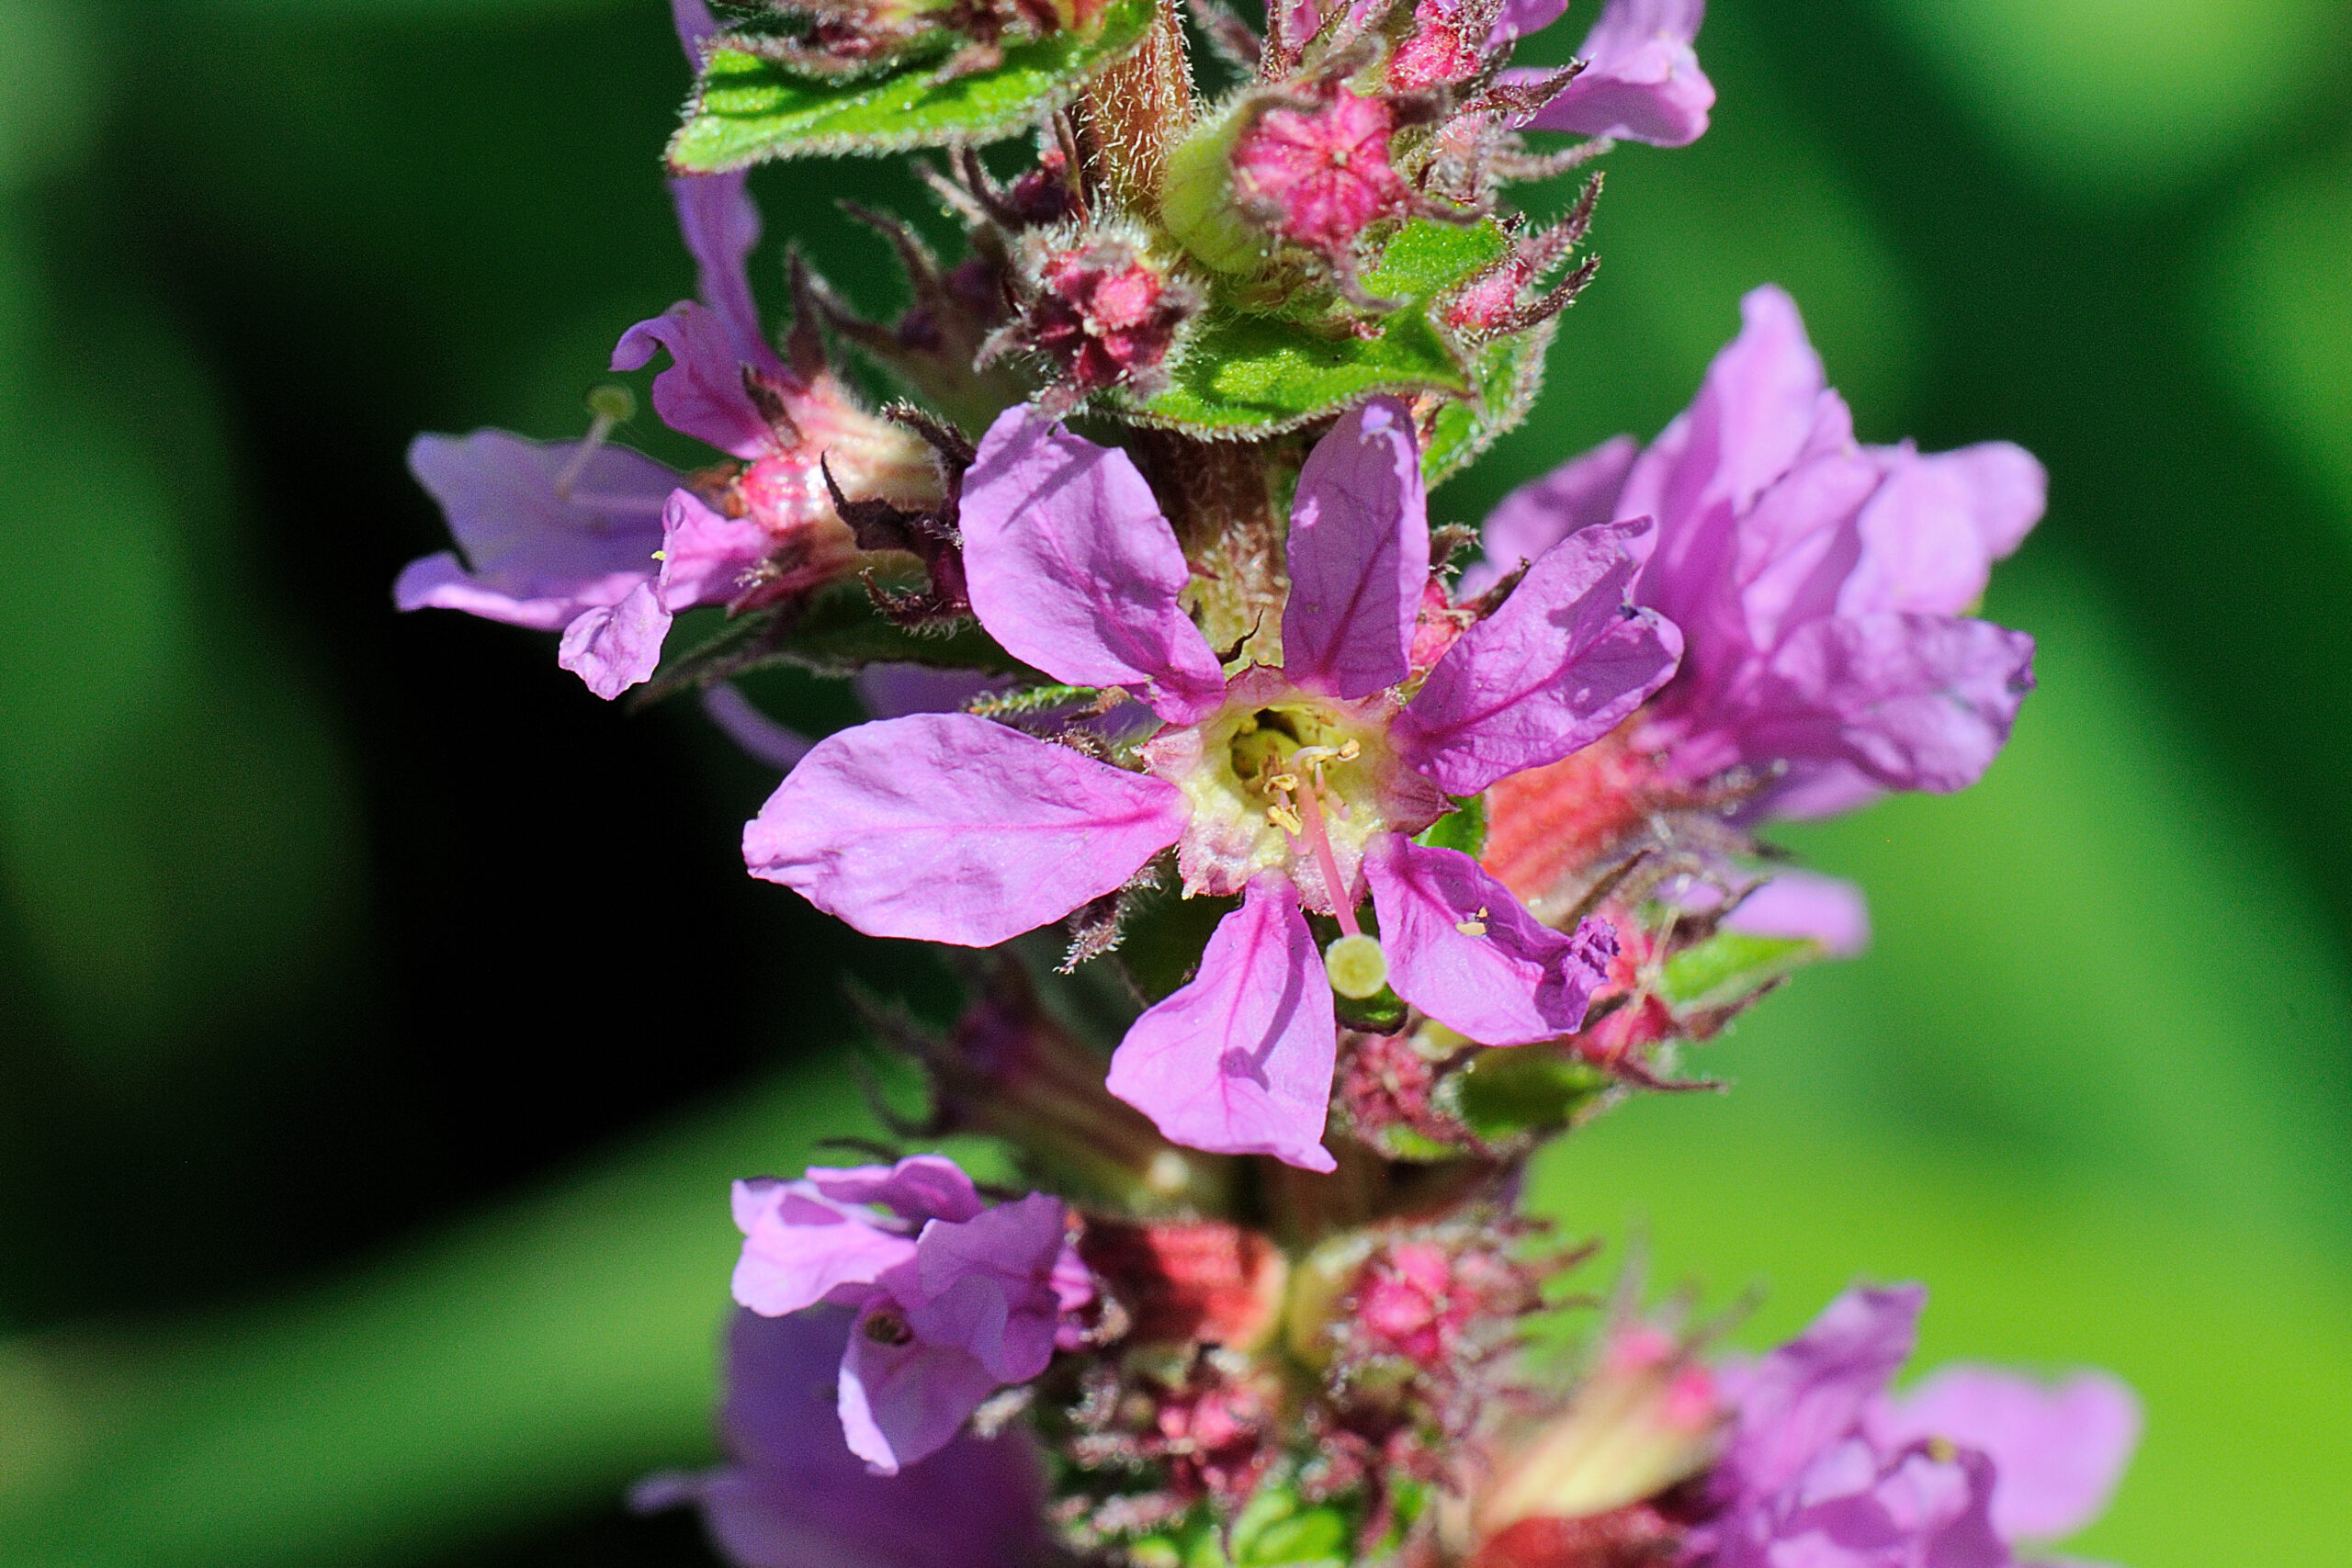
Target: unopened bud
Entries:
(1649, 1417)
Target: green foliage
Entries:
(1730, 967)
(1253, 372)
(1507, 1094)
(747, 109)
(838, 633)
(1464, 829)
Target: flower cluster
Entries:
(1334, 861)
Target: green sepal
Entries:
(837, 633)
(1276, 1529)
(746, 109)
(1729, 967)
(1504, 1094)
(1506, 375)
(1383, 1013)
(1463, 828)
(1249, 372)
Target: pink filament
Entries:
(1310, 811)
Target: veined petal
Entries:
(1072, 569)
(1559, 666)
(535, 555)
(1641, 80)
(1461, 948)
(701, 394)
(2057, 1451)
(1916, 701)
(1240, 1061)
(1359, 555)
(986, 1285)
(1810, 1393)
(799, 1251)
(1540, 513)
(946, 828)
(1930, 535)
(705, 553)
(918, 1189)
(721, 228)
(613, 647)
(902, 1400)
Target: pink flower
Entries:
(1822, 586)
(1295, 787)
(1641, 80)
(954, 1298)
(608, 546)
(791, 1496)
(1826, 1469)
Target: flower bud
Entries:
(1100, 309)
(1648, 1416)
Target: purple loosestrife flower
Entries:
(954, 1298)
(609, 547)
(1825, 1471)
(1822, 586)
(1294, 786)
(792, 1496)
(1641, 80)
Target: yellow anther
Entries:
(1285, 783)
(1471, 928)
(1349, 751)
(1286, 819)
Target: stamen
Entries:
(610, 405)
(1477, 927)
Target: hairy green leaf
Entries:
(1247, 372)
(747, 109)
(1730, 967)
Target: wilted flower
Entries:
(1293, 787)
(954, 1298)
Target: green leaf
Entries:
(1504, 1094)
(1259, 372)
(1275, 1531)
(746, 109)
(1463, 828)
(1507, 375)
(1730, 967)
(837, 633)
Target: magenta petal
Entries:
(1540, 513)
(1641, 80)
(616, 646)
(1520, 18)
(692, 20)
(721, 228)
(2057, 1452)
(901, 1402)
(798, 1250)
(794, 1496)
(1240, 1061)
(533, 557)
(1930, 535)
(1071, 567)
(1359, 555)
(946, 828)
(1810, 1393)
(918, 1189)
(1560, 665)
(986, 1285)
(705, 553)
(1916, 701)
(1808, 907)
(1461, 948)
(701, 393)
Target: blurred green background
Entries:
(381, 1015)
